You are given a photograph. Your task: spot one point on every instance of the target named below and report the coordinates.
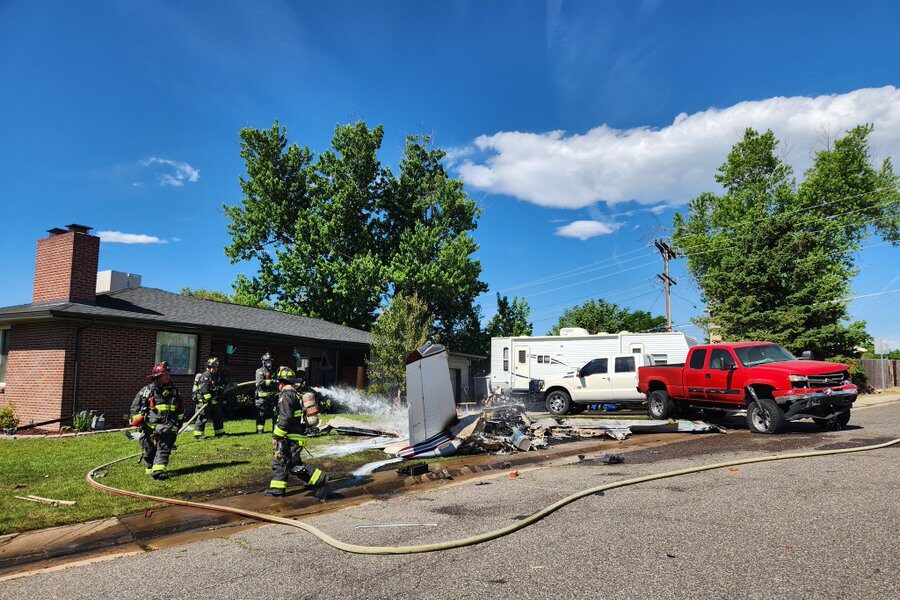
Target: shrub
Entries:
(82, 421)
(857, 374)
(8, 418)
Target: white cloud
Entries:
(117, 237)
(176, 173)
(585, 230)
(674, 163)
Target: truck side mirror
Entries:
(578, 373)
(732, 367)
(807, 355)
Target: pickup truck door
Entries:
(593, 385)
(695, 375)
(624, 378)
(720, 377)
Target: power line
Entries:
(603, 295)
(592, 279)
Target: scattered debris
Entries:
(149, 513)
(612, 459)
(483, 483)
(382, 525)
(670, 555)
(734, 469)
(33, 498)
(413, 470)
(514, 474)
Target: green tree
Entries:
(511, 318)
(216, 296)
(337, 236)
(403, 327)
(775, 259)
(600, 315)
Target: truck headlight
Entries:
(799, 381)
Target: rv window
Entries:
(506, 354)
(540, 359)
(624, 364)
(660, 359)
(697, 359)
(506, 364)
(522, 356)
(546, 359)
(594, 367)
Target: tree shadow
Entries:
(206, 467)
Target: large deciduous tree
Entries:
(401, 328)
(511, 318)
(775, 259)
(600, 315)
(336, 236)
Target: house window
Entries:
(179, 350)
(4, 355)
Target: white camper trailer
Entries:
(516, 361)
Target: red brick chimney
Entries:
(66, 265)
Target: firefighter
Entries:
(208, 390)
(266, 392)
(291, 425)
(157, 411)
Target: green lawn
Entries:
(56, 468)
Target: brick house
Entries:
(88, 339)
(87, 342)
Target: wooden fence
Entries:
(882, 373)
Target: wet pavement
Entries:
(811, 528)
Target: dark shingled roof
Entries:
(154, 306)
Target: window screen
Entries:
(179, 350)
(697, 359)
(624, 364)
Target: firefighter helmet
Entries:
(267, 361)
(212, 363)
(158, 370)
(286, 374)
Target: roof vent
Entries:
(573, 332)
(78, 228)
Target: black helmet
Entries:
(212, 363)
(267, 361)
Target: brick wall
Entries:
(66, 267)
(39, 372)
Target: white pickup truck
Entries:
(608, 379)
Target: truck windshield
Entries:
(750, 356)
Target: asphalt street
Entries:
(812, 528)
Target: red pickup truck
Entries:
(765, 379)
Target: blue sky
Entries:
(587, 119)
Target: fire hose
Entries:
(462, 542)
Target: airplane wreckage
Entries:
(501, 426)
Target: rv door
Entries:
(521, 368)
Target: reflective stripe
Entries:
(263, 394)
(279, 432)
(278, 485)
(298, 413)
(180, 417)
(207, 396)
(198, 432)
(259, 428)
(148, 471)
(296, 437)
(165, 407)
(160, 468)
(133, 417)
(315, 476)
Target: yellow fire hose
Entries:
(468, 541)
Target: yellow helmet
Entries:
(286, 374)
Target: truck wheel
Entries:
(659, 405)
(835, 423)
(765, 416)
(558, 403)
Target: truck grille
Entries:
(829, 380)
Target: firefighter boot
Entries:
(276, 492)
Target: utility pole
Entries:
(665, 250)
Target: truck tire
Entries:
(558, 402)
(659, 405)
(835, 423)
(765, 416)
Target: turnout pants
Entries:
(212, 411)
(287, 460)
(265, 409)
(156, 450)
